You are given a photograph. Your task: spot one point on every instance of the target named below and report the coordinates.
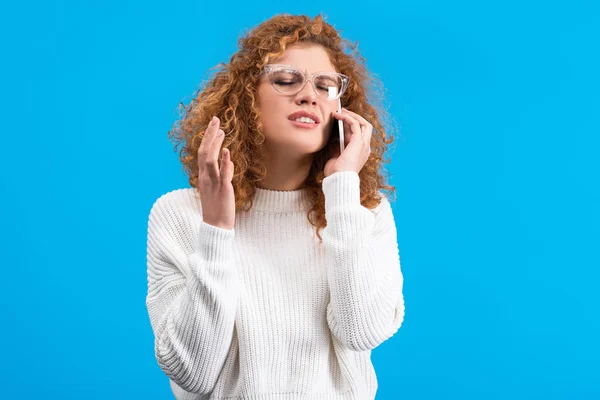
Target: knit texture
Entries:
(264, 311)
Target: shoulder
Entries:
(183, 201)
(384, 215)
(175, 215)
(384, 205)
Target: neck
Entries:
(285, 171)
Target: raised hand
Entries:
(357, 144)
(214, 181)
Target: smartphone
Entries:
(341, 127)
(332, 93)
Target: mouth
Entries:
(304, 125)
(304, 119)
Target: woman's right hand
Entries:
(214, 182)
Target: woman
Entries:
(246, 299)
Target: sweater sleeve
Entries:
(363, 266)
(191, 298)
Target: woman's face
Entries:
(275, 108)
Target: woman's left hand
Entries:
(357, 146)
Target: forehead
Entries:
(309, 58)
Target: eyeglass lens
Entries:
(290, 82)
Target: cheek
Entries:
(273, 113)
(270, 115)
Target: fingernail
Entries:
(213, 120)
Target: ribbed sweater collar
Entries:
(281, 200)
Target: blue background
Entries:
(495, 164)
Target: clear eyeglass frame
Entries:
(270, 68)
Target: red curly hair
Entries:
(231, 95)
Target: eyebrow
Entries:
(298, 69)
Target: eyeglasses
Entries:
(288, 80)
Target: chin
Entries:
(299, 148)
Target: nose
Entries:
(307, 94)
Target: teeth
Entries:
(305, 119)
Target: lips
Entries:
(299, 114)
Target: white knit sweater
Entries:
(263, 311)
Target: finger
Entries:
(351, 122)
(348, 133)
(211, 163)
(355, 143)
(365, 125)
(209, 134)
(211, 129)
(367, 131)
(361, 120)
(226, 166)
